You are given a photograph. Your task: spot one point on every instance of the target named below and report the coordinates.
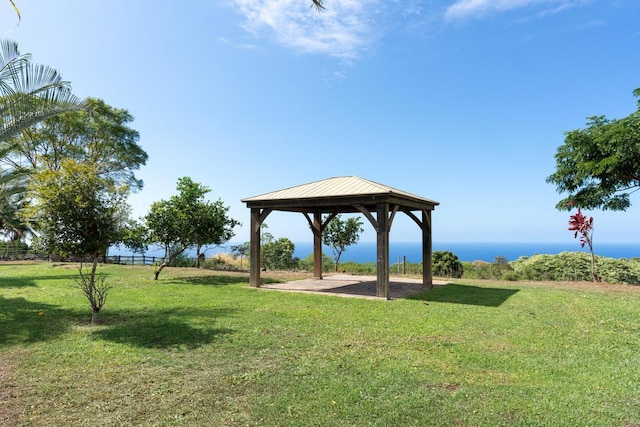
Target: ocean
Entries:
(366, 251)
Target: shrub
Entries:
(576, 266)
(476, 270)
(183, 261)
(511, 276)
(447, 264)
(307, 263)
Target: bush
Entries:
(447, 264)
(358, 268)
(511, 276)
(307, 263)
(576, 266)
(476, 270)
(183, 261)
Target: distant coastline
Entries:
(366, 251)
(474, 251)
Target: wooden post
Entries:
(427, 262)
(317, 245)
(254, 250)
(382, 250)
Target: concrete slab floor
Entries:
(347, 285)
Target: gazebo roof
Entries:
(337, 191)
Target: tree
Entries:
(339, 234)
(12, 188)
(99, 134)
(583, 225)
(135, 237)
(29, 92)
(241, 250)
(187, 220)
(277, 254)
(80, 213)
(599, 166)
(447, 264)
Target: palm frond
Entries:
(319, 4)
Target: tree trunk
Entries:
(596, 277)
(92, 283)
(159, 269)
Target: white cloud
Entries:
(469, 9)
(343, 30)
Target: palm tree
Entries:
(29, 93)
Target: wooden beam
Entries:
(393, 214)
(254, 248)
(382, 250)
(317, 228)
(413, 217)
(427, 251)
(366, 213)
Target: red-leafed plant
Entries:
(583, 225)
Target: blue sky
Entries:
(463, 102)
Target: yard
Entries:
(201, 347)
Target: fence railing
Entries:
(25, 255)
(133, 259)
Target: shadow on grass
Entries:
(21, 282)
(16, 282)
(466, 294)
(162, 330)
(214, 280)
(23, 321)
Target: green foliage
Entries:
(98, 135)
(446, 264)
(182, 260)
(13, 249)
(577, 266)
(477, 270)
(78, 211)
(278, 254)
(339, 234)
(307, 263)
(135, 237)
(187, 220)
(29, 92)
(599, 166)
(499, 269)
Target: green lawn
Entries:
(203, 348)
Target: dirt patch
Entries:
(8, 413)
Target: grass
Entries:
(203, 348)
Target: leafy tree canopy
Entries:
(278, 254)
(98, 134)
(447, 264)
(599, 166)
(188, 220)
(340, 234)
(78, 211)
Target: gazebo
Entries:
(346, 194)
